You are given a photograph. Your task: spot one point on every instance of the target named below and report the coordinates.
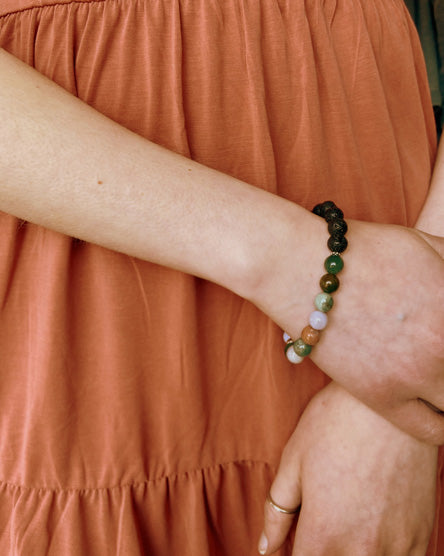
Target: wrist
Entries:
(288, 266)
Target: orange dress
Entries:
(143, 411)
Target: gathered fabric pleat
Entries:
(144, 411)
(163, 516)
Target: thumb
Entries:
(281, 507)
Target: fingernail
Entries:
(263, 544)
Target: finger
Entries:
(437, 243)
(420, 418)
(418, 550)
(432, 407)
(278, 522)
(281, 509)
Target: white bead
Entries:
(286, 337)
(318, 320)
(292, 356)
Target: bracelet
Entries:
(337, 243)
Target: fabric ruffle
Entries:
(199, 512)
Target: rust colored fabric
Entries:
(144, 411)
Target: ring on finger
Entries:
(279, 508)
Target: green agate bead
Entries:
(329, 283)
(323, 302)
(301, 348)
(333, 264)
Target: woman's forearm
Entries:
(431, 219)
(65, 166)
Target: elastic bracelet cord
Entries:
(337, 243)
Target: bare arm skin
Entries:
(69, 168)
(104, 184)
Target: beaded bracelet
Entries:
(337, 243)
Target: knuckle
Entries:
(430, 425)
(434, 432)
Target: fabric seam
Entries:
(23, 10)
(146, 482)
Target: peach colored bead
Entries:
(310, 335)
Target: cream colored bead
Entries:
(292, 356)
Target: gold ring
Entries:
(280, 508)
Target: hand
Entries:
(385, 339)
(366, 487)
